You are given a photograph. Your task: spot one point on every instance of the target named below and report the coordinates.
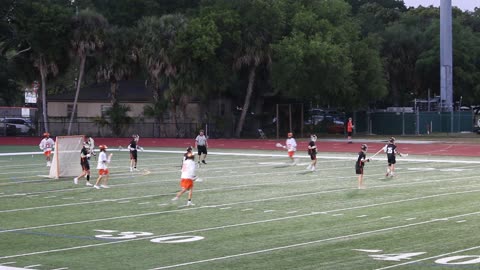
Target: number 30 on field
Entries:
(451, 260)
(116, 235)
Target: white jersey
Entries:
(201, 140)
(46, 144)
(291, 144)
(102, 161)
(188, 169)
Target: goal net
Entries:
(66, 156)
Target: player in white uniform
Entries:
(291, 146)
(46, 145)
(187, 177)
(102, 167)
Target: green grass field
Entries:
(252, 211)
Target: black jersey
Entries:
(133, 146)
(361, 157)
(312, 149)
(391, 149)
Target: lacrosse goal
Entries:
(66, 156)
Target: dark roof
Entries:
(128, 91)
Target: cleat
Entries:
(104, 186)
(131, 169)
(189, 203)
(75, 180)
(88, 184)
(174, 199)
(95, 186)
(309, 167)
(203, 161)
(313, 168)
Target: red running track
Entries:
(410, 147)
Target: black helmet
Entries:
(364, 147)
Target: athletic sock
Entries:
(88, 177)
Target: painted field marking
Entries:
(240, 225)
(292, 212)
(7, 263)
(269, 211)
(386, 217)
(362, 216)
(144, 203)
(33, 265)
(429, 258)
(310, 243)
(410, 218)
(461, 221)
(155, 195)
(257, 222)
(123, 202)
(225, 208)
(247, 209)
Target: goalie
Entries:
(46, 145)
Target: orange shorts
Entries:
(186, 183)
(291, 153)
(103, 172)
(47, 153)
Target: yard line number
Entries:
(118, 235)
(451, 260)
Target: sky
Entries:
(462, 4)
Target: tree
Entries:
(261, 25)
(158, 39)
(88, 37)
(42, 29)
(120, 58)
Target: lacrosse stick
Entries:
(280, 145)
(381, 149)
(402, 155)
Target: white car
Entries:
(22, 126)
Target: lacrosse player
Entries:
(201, 144)
(187, 177)
(391, 150)
(291, 146)
(84, 162)
(312, 152)
(349, 130)
(133, 147)
(102, 167)
(46, 145)
(362, 158)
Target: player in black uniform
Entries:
(84, 157)
(312, 152)
(362, 158)
(391, 150)
(133, 147)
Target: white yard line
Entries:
(229, 188)
(325, 240)
(250, 223)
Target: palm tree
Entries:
(259, 30)
(88, 37)
(158, 41)
(40, 30)
(119, 60)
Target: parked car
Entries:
(21, 126)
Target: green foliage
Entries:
(116, 118)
